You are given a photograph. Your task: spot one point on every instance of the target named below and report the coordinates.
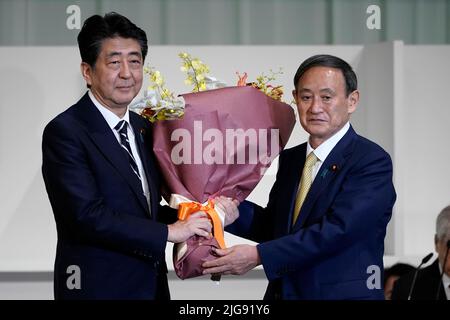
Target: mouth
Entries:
(124, 88)
(316, 121)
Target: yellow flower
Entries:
(165, 93)
(195, 71)
(162, 104)
(196, 63)
(156, 77)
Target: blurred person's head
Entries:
(442, 236)
(392, 274)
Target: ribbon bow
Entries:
(185, 209)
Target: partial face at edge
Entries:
(441, 249)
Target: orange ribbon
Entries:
(185, 209)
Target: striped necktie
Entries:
(305, 183)
(121, 128)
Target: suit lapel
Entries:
(103, 137)
(140, 133)
(291, 179)
(330, 168)
(433, 273)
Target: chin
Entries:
(125, 99)
(317, 131)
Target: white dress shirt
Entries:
(112, 119)
(445, 282)
(322, 151)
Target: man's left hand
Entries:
(235, 260)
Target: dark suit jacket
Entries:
(102, 218)
(425, 288)
(339, 236)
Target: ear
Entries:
(294, 94)
(352, 100)
(86, 71)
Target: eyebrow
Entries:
(325, 90)
(116, 53)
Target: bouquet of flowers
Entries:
(219, 141)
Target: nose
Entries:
(125, 70)
(316, 105)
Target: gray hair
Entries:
(443, 223)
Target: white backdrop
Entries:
(403, 107)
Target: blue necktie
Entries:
(121, 128)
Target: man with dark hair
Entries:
(98, 28)
(322, 233)
(432, 282)
(102, 180)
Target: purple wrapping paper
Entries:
(198, 250)
(218, 110)
(226, 108)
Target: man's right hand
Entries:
(197, 224)
(229, 207)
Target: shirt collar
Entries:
(446, 280)
(445, 277)
(111, 118)
(325, 147)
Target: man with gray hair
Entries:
(433, 282)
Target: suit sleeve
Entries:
(363, 203)
(78, 205)
(167, 215)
